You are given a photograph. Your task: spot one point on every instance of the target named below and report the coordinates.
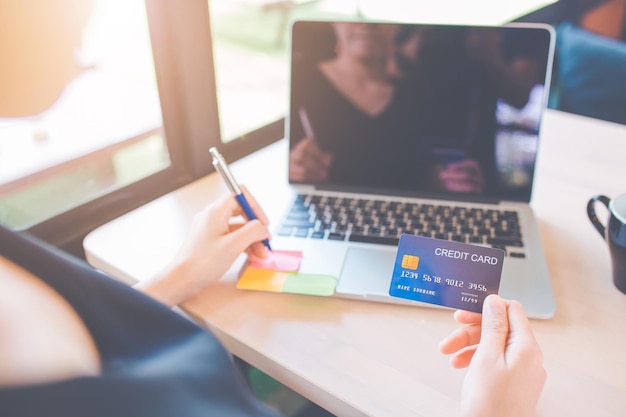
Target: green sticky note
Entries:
(311, 284)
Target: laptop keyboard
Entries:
(382, 222)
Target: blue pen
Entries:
(222, 168)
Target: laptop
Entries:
(424, 129)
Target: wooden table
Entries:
(360, 358)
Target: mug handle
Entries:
(591, 212)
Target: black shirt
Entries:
(154, 361)
(368, 150)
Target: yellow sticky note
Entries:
(262, 280)
(410, 262)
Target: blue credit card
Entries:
(450, 274)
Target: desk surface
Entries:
(360, 358)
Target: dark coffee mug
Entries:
(614, 232)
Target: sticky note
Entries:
(279, 260)
(262, 280)
(288, 282)
(279, 273)
(312, 284)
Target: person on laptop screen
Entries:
(417, 104)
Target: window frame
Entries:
(182, 47)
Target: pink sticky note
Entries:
(279, 260)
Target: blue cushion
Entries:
(591, 74)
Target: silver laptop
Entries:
(423, 129)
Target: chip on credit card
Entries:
(451, 274)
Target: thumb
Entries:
(495, 327)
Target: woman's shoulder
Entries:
(154, 358)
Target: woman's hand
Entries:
(465, 176)
(214, 243)
(308, 162)
(505, 375)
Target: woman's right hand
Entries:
(505, 375)
(308, 162)
(218, 235)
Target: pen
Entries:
(222, 168)
(306, 123)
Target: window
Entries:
(105, 106)
(100, 127)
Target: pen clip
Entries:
(222, 168)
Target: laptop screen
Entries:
(417, 110)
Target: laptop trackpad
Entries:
(367, 271)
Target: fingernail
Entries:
(493, 305)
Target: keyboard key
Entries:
(467, 230)
(506, 235)
(298, 223)
(393, 241)
(285, 231)
(302, 233)
(298, 215)
(336, 236)
(458, 238)
(505, 242)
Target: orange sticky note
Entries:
(262, 280)
(279, 260)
